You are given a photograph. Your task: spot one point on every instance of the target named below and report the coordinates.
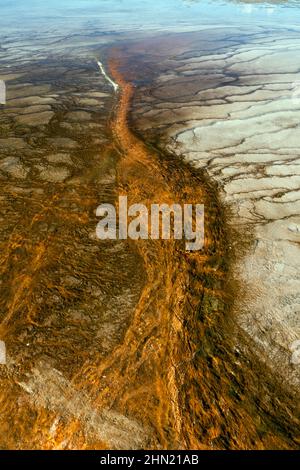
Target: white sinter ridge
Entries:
(102, 70)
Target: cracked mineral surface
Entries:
(232, 108)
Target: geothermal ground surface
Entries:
(123, 344)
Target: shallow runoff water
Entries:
(144, 15)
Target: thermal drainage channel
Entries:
(178, 371)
